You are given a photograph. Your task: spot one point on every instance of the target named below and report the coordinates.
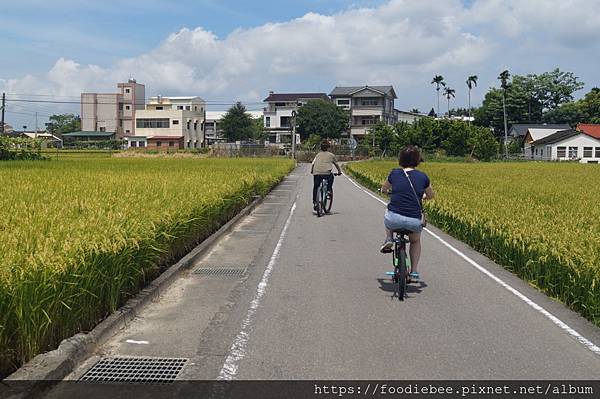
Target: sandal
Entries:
(414, 277)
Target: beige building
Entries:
(113, 112)
(175, 122)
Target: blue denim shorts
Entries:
(395, 221)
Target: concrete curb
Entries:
(57, 364)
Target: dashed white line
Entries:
(574, 334)
(238, 348)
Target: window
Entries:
(102, 129)
(188, 125)
(176, 121)
(369, 101)
(280, 104)
(195, 125)
(171, 144)
(343, 102)
(195, 108)
(285, 121)
(542, 152)
(187, 107)
(268, 121)
(142, 144)
(127, 90)
(536, 151)
(159, 143)
(573, 152)
(152, 123)
(561, 152)
(587, 152)
(120, 106)
(159, 108)
(133, 144)
(597, 152)
(180, 107)
(127, 107)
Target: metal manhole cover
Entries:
(220, 271)
(135, 370)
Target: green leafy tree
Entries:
(258, 131)
(438, 80)
(322, 118)
(555, 88)
(237, 124)
(482, 143)
(63, 123)
(385, 137)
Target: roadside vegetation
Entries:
(80, 236)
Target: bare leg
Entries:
(415, 250)
(389, 234)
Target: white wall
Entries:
(180, 129)
(580, 141)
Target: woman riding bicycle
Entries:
(407, 187)
(321, 169)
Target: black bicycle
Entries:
(324, 198)
(401, 262)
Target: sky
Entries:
(227, 51)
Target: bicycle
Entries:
(401, 262)
(324, 197)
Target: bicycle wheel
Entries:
(402, 274)
(320, 201)
(328, 202)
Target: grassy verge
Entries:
(81, 236)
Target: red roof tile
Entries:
(589, 129)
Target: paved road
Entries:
(316, 304)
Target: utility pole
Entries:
(3, 106)
(294, 134)
(36, 125)
(505, 126)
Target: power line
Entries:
(113, 102)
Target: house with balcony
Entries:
(170, 123)
(367, 105)
(278, 114)
(113, 112)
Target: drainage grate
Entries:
(135, 370)
(220, 272)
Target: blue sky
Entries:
(239, 50)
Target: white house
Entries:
(533, 134)
(567, 145)
(278, 114)
(406, 116)
(171, 123)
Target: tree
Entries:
(322, 118)
(449, 93)
(556, 88)
(471, 82)
(385, 137)
(258, 131)
(415, 111)
(503, 77)
(237, 124)
(585, 110)
(63, 123)
(482, 143)
(438, 80)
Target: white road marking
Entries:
(574, 334)
(238, 348)
(132, 341)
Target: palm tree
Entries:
(438, 80)
(471, 81)
(449, 93)
(503, 77)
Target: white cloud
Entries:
(401, 42)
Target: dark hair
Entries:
(324, 145)
(410, 157)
